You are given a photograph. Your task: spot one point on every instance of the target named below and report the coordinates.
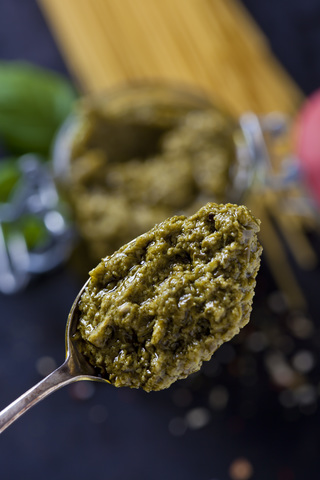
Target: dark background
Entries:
(96, 431)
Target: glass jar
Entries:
(138, 154)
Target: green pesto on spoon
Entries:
(152, 312)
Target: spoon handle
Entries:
(57, 379)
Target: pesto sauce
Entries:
(177, 156)
(162, 304)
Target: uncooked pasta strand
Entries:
(210, 44)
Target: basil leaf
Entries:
(9, 177)
(33, 104)
(30, 227)
(34, 231)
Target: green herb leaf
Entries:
(33, 104)
(30, 227)
(9, 177)
(34, 231)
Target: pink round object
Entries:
(307, 140)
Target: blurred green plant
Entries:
(33, 104)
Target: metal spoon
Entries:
(74, 368)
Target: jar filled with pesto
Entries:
(139, 154)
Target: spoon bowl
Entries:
(74, 368)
